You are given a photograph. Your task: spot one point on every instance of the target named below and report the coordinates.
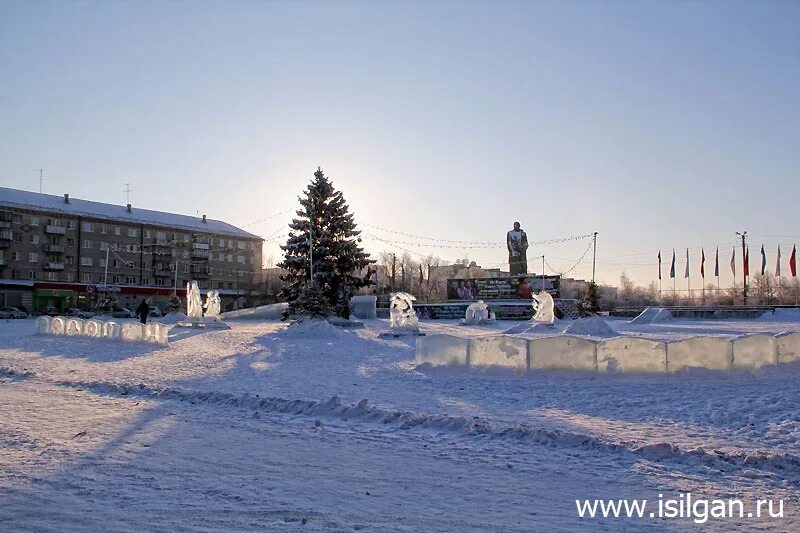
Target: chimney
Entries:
(204, 220)
(66, 198)
(129, 208)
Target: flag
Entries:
(793, 261)
(672, 268)
(659, 264)
(778, 263)
(733, 261)
(763, 260)
(716, 263)
(421, 277)
(746, 265)
(702, 263)
(686, 272)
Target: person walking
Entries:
(143, 310)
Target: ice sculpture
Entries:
(43, 324)
(93, 328)
(544, 308)
(212, 305)
(132, 331)
(74, 326)
(111, 330)
(402, 317)
(155, 332)
(57, 326)
(477, 313)
(194, 305)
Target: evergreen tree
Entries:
(310, 302)
(590, 303)
(323, 221)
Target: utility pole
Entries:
(743, 235)
(594, 255)
(41, 172)
(394, 271)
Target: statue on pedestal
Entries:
(517, 243)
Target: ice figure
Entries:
(155, 332)
(544, 308)
(111, 330)
(74, 326)
(212, 305)
(57, 326)
(194, 305)
(43, 324)
(402, 316)
(93, 328)
(132, 331)
(477, 313)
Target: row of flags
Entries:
(745, 263)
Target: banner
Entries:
(506, 288)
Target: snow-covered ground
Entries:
(260, 428)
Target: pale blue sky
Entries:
(657, 124)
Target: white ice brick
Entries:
(754, 351)
(631, 354)
(111, 330)
(499, 350)
(445, 350)
(563, 353)
(74, 327)
(788, 345)
(155, 332)
(132, 331)
(93, 328)
(58, 326)
(712, 353)
(43, 324)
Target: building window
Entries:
(86, 278)
(101, 263)
(185, 237)
(117, 231)
(115, 279)
(130, 280)
(222, 242)
(159, 282)
(51, 276)
(145, 281)
(69, 260)
(242, 245)
(15, 256)
(33, 274)
(86, 261)
(240, 259)
(18, 219)
(230, 258)
(34, 221)
(133, 232)
(103, 229)
(185, 269)
(68, 276)
(14, 274)
(161, 236)
(33, 257)
(230, 243)
(88, 227)
(115, 263)
(87, 244)
(103, 245)
(34, 239)
(70, 224)
(147, 234)
(70, 241)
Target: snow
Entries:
(258, 428)
(313, 328)
(652, 315)
(593, 326)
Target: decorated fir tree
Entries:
(589, 305)
(324, 248)
(310, 303)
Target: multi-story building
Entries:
(59, 251)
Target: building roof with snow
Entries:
(68, 206)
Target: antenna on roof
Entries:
(128, 191)
(41, 171)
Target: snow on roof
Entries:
(119, 213)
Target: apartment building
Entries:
(58, 251)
